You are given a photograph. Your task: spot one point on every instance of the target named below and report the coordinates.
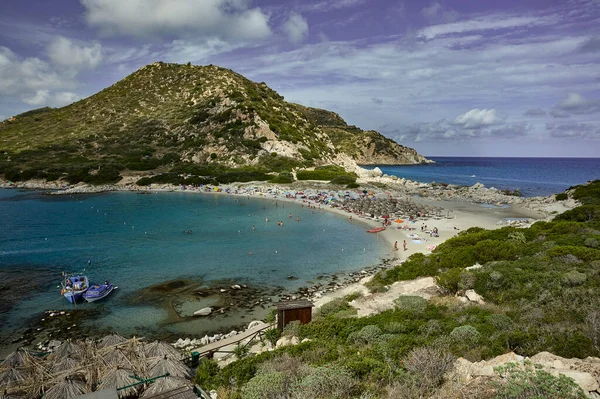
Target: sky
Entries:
(448, 78)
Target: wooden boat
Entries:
(74, 286)
(376, 230)
(98, 291)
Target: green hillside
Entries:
(168, 117)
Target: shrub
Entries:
(574, 278)
(414, 304)
(272, 335)
(326, 382)
(561, 197)
(529, 382)
(271, 385)
(467, 335)
(241, 351)
(292, 329)
(205, 372)
(367, 335)
(429, 365)
(353, 185)
(343, 180)
(500, 321)
(334, 306)
(283, 178)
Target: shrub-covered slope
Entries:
(167, 115)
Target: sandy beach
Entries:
(456, 215)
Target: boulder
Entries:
(586, 381)
(236, 287)
(203, 312)
(255, 324)
(474, 297)
(501, 360)
(283, 341)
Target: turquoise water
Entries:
(137, 240)
(532, 176)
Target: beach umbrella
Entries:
(163, 385)
(66, 349)
(18, 358)
(65, 389)
(62, 364)
(118, 377)
(161, 349)
(116, 357)
(12, 377)
(111, 340)
(166, 365)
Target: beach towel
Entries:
(413, 235)
(417, 241)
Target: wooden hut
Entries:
(289, 311)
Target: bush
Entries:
(467, 335)
(283, 178)
(326, 382)
(561, 197)
(414, 304)
(429, 365)
(533, 383)
(500, 322)
(353, 185)
(292, 329)
(343, 180)
(334, 306)
(205, 372)
(574, 278)
(272, 335)
(271, 385)
(367, 335)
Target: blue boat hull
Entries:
(73, 297)
(97, 292)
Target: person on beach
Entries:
(404, 244)
(350, 218)
(396, 246)
(253, 228)
(290, 215)
(266, 219)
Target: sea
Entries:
(138, 240)
(531, 176)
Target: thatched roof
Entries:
(117, 357)
(173, 367)
(13, 377)
(111, 340)
(19, 358)
(161, 349)
(67, 349)
(164, 384)
(117, 378)
(62, 364)
(65, 389)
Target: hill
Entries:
(172, 118)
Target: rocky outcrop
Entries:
(585, 372)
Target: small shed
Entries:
(289, 311)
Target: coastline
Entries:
(459, 215)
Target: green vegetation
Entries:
(327, 172)
(542, 289)
(168, 116)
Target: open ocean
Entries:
(532, 176)
(137, 240)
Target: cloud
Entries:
(576, 104)
(535, 112)
(377, 100)
(559, 113)
(573, 130)
(230, 20)
(512, 131)
(44, 97)
(65, 98)
(435, 11)
(477, 118)
(328, 5)
(65, 53)
(296, 28)
(38, 98)
(483, 24)
(592, 45)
